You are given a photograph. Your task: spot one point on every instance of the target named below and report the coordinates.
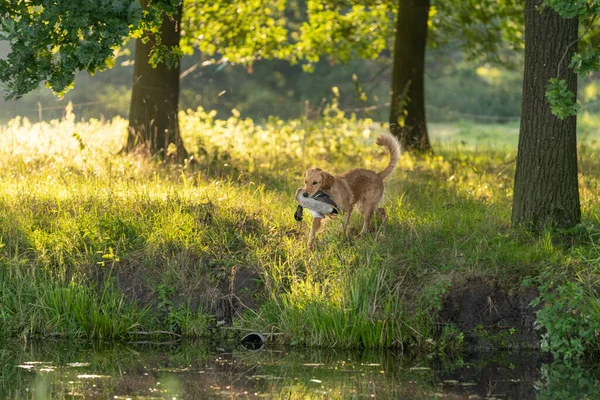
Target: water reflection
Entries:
(61, 370)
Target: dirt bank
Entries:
(491, 317)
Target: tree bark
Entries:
(546, 186)
(153, 120)
(407, 105)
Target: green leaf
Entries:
(562, 101)
(571, 8)
(586, 62)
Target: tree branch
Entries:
(558, 71)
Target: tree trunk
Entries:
(546, 187)
(153, 121)
(407, 106)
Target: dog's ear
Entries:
(327, 180)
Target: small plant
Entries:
(570, 318)
(181, 318)
(164, 293)
(451, 339)
(196, 324)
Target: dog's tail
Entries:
(393, 146)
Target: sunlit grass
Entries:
(77, 216)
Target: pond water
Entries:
(68, 370)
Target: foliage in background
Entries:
(456, 89)
(302, 31)
(345, 30)
(53, 51)
(51, 41)
(488, 31)
(239, 32)
(228, 32)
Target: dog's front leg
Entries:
(346, 227)
(313, 232)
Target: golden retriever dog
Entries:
(359, 187)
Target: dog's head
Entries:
(316, 179)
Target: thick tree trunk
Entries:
(407, 109)
(153, 121)
(546, 188)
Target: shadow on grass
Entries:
(172, 255)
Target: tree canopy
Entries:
(52, 42)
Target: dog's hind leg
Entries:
(381, 214)
(368, 212)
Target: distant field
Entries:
(472, 135)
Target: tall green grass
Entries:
(141, 245)
(338, 302)
(42, 306)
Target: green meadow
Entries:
(95, 243)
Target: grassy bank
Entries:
(99, 244)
